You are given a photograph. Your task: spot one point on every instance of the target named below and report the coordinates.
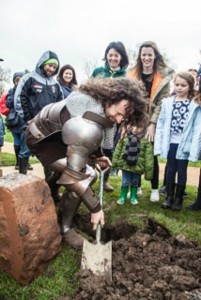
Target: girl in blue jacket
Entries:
(178, 136)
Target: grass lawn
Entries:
(8, 159)
(60, 277)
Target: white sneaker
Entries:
(139, 191)
(154, 196)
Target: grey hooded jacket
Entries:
(35, 90)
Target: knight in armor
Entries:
(64, 135)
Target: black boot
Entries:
(23, 165)
(17, 150)
(30, 168)
(54, 187)
(197, 204)
(170, 196)
(106, 186)
(48, 172)
(177, 204)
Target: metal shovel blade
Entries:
(98, 258)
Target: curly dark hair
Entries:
(159, 62)
(60, 75)
(113, 90)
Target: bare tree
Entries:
(132, 55)
(4, 78)
(89, 66)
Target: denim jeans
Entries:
(1, 132)
(24, 150)
(174, 166)
(16, 139)
(129, 178)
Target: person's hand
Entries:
(97, 218)
(150, 132)
(103, 162)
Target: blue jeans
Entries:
(24, 150)
(130, 178)
(16, 139)
(1, 131)
(176, 166)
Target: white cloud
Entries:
(79, 31)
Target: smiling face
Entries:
(113, 58)
(181, 88)
(116, 112)
(147, 57)
(49, 69)
(67, 75)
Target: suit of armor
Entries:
(83, 136)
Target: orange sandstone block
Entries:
(29, 232)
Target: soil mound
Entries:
(146, 265)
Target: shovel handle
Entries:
(102, 173)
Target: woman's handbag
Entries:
(12, 119)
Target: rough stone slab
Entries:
(29, 233)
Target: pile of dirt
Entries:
(146, 265)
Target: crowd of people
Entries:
(121, 117)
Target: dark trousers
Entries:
(108, 153)
(174, 166)
(155, 180)
(199, 188)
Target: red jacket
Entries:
(3, 109)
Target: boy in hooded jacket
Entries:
(134, 156)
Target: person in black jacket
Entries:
(34, 91)
(17, 130)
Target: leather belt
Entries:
(35, 131)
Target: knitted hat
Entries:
(17, 75)
(51, 61)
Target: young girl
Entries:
(134, 156)
(178, 134)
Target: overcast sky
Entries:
(80, 30)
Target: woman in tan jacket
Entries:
(152, 71)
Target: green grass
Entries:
(8, 159)
(190, 164)
(60, 278)
(8, 136)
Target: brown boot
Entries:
(107, 187)
(72, 238)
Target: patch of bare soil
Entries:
(148, 265)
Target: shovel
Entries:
(98, 257)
